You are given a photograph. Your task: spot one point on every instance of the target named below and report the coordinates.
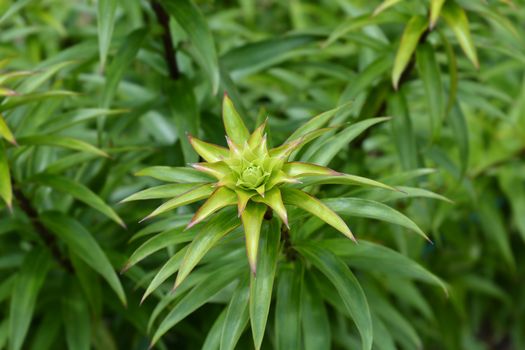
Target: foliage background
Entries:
(102, 90)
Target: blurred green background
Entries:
(92, 92)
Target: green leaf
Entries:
(184, 110)
(105, 22)
(210, 234)
(317, 208)
(359, 22)
(257, 56)
(373, 210)
(6, 192)
(373, 71)
(163, 191)
(28, 283)
(288, 307)
(370, 256)
(197, 297)
(457, 20)
(236, 316)
(385, 5)
(435, 10)
(347, 286)
(189, 17)
(175, 174)
(316, 122)
(411, 35)
(315, 321)
(333, 145)
(82, 244)
(168, 269)
(77, 322)
(61, 141)
(274, 200)
(5, 132)
(159, 241)
(20, 100)
(120, 64)
(252, 218)
(233, 123)
(459, 127)
(430, 74)
(300, 169)
(344, 179)
(208, 151)
(261, 285)
(79, 192)
(220, 198)
(213, 338)
(193, 195)
(402, 131)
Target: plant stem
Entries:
(167, 41)
(48, 238)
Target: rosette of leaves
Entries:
(243, 186)
(256, 179)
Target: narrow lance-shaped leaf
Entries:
(457, 20)
(317, 208)
(300, 169)
(28, 283)
(220, 198)
(252, 218)
(217, 169)
(208, 151)
(6, 191)
(274, 200)
(105, 22)
(435, 11)
(411, 35)
(344, 179)
(373, 210)
(167, 270)
(61, 141)
(210, 234)
(288, 307)
(316, 122)
(236, 316)
(347, 286)
(261, 285)
(159, 241)
(193, 195)
(5, 132)
(163, 191)
(82, 243)
(195, 299)
(385, 5)
(175, 174)
(332, 146)
(233, 123)
(430, 74)
(79, 192)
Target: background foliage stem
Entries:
(167, 41)
(48, 238)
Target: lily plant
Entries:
(258, 179)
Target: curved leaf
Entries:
(82, 244)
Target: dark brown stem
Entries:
(169, 49)
(48, 238)
(289, 251)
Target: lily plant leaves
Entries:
(317, 208)
(347, 286)
(82, 244)
(6, 192)
(411, 35)
(457, 20)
